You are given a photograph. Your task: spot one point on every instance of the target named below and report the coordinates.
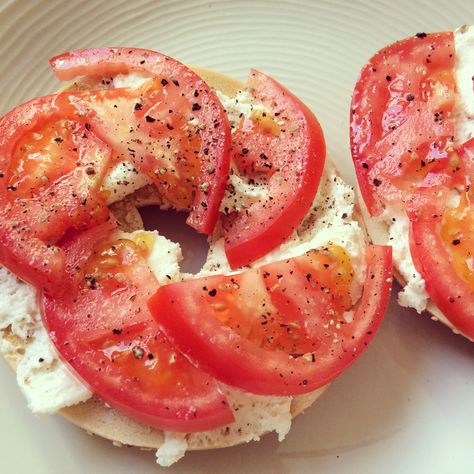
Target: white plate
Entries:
(408, 404)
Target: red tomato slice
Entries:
(101, 326)
(402, 125)
(442, 245)
(50, 169)
(451, 294)
(182, 92)
(150, 126)
(291, 140)
(239, 328)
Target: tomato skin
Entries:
(215, 132)
(103, 330)
(401, 117)
(299, 152)
(431, 256)
(446, 288)
(29, 226)
(185, 315)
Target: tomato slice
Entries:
(101, 326)
(451, 294)
(51, 167)
(292, 142)
(150, 127)
(180, 116)
(402, 120)
(442, 248)
(266, 330)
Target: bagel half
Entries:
(97, 418)
(387, 70)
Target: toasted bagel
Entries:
(97, 418)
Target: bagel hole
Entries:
(172, 225)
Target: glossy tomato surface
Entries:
(282, 329)
(174, 129)
(51, 167)
(101, 326)
(442, 246)
(286, 149)
(402, 126)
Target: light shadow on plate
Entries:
(441, 354)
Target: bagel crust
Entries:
(97, 418)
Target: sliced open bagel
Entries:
(97, 418)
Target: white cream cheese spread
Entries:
(47, 382)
